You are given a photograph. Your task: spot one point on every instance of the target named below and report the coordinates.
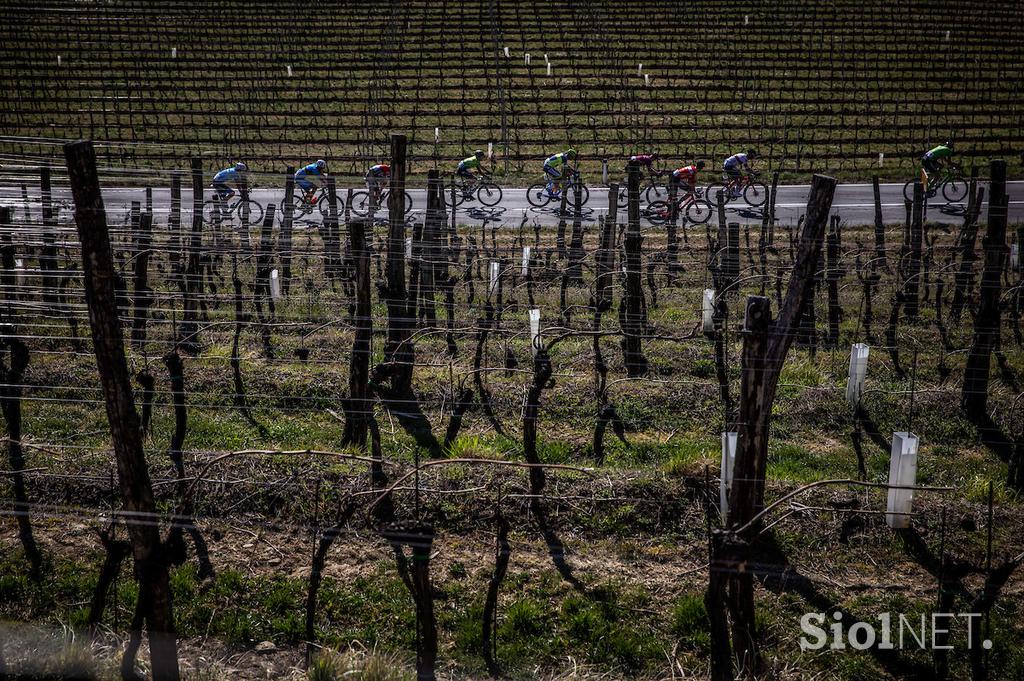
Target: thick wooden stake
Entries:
(133, 475)
(631, 310)
(398, 352)
(974, 395)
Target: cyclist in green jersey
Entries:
(553, 168)
(935, 160)
(468, 165)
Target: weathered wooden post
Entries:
(398, 351)
(189, 337)
(913, 281)
(879, 259)
(174, 219)
(974, 394)
(832, 278)
(631, 309)
(142, 294)
(359, 401)
(136, 490)
(430, 249)
(285, 237)
(332, 233)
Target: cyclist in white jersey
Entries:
(736, 163)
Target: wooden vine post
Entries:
(139, 506)
(765, 346)
(631, 310)
(398, 352)
(974, 395)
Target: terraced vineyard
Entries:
(815, 85)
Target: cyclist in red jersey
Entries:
(687, 174)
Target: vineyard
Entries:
(816, 86)
(765, 430)
(328, 445)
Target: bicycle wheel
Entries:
(458, 195)
(656, 192)
(298, 206)
(360, 203)
(408, 203)
(571, 199)
(537, 195)
(713, 190)
(955, 190)
(699, 211)
(755, 193)
(325, 206)
(213, 213)
(658, 212)
(489, 194)
(908, 190)
(255, 211)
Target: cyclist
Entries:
(236, 174)
(935, 160)
(377, 178)
(468, 165)
(737, 162)
(555, 173)
(687, 175)
(646, 161)
(307, 175)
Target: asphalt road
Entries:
(853, 202)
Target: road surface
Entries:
(853, 202)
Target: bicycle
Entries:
(754, 193)
(694, 205)
(320, 200)
(951, 181)
(653, 192)
(485, 190)
(538, 195)
(217, 211)
(361, 204)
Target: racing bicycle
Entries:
(539, 196)
(483, 189)
(754, 193)
(218, 210)
(950, 181)
(694, 205)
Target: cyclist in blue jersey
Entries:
(235, 174)
(307, 175)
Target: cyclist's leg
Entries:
(224, 192)
(307, 188)
(931, 169)
(734, 180)
(553, 175)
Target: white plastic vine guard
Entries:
(902, 475)
(858, 370)
(729, 440)
(535, 329)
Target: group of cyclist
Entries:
(556, 167)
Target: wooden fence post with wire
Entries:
(154, 604)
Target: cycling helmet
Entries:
(241, 167)
(479, 153)
(700, 165)
(949, 145)
(571, 153)
(321, 164)
(752, 153)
